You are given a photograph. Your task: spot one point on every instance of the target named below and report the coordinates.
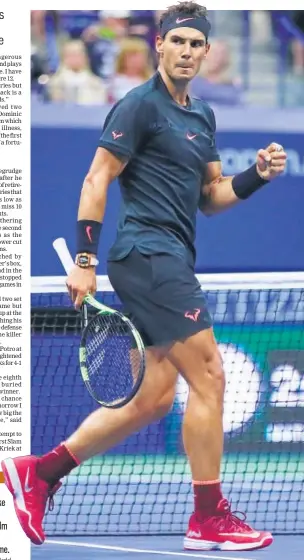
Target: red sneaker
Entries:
(224, 531)
(30, 494)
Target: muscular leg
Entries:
(100, 431)
(105, 428)
(212, 526)
(199, 361)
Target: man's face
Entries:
(181, 52)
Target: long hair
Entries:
(134, 45)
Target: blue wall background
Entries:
(265, 233)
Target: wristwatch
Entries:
(85, 260)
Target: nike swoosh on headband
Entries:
(183, 19)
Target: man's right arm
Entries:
(104, 169)
(124, 131)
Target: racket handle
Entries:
(64, 254)
(84, 316)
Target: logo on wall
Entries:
(235, 161)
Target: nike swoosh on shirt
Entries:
(191, 136)
(181, 20)
(27, 488)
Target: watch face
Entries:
(83, 260)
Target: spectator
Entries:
(47, 36)
(215, 81)
(39, 53)
(217, 66)
(74, 22)
(298, 45)
(143, 25)
(74, 81)
(38, 28)
(102, 41)
(133, 67)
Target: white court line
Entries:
(145, 551)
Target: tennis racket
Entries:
(112, 353)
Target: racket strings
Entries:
(112, 359)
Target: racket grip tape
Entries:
(84, 316)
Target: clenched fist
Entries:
(271, 162)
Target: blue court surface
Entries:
(151, 548)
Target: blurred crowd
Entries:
(92, 57)
(297, 45)
(95, 57)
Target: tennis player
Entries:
(160, 143)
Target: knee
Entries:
(216, 378)
(210, 383)
(151, 409)
(215, 370)
(164, 405)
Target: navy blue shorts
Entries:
(161, 295)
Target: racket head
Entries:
(112, 359)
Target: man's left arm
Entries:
(220, 193)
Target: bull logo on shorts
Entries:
(193, 315)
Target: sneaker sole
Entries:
(196, 544)
(12, 482)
